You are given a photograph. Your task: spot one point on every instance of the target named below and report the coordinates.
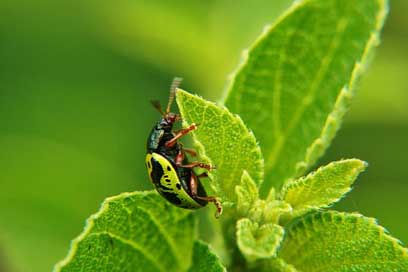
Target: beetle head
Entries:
(172, 117)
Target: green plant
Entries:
(292, 90)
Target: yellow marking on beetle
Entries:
(170, 180)
(149, 165)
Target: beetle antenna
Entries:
(174, 85)
(157, 106)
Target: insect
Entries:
(168, 166)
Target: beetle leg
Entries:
(203, 175)
(179, 162)
(216, 202)
(179, 158)
(213, 199)
(193, 185)
(180, 134)
(197, 164)
(190, 151)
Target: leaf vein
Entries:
(309, 97)
(133, 245)
(167, 238)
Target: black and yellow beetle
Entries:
(167, 164)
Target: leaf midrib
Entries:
(166, 236)
(277, 147)
(278, 85)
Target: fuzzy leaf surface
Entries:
(204, 259)
(133, 232)
(323, 187)
(334, 241)
(275, 265)
(295, 83)
(223, 140)
(278, 265)
(256, 241)
(247, 193)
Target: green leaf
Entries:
(247, 193)
(334, 241)
(222, 140)
(204, 259)
(273, 210)
(296, 81)
(323, 187)
(256, 241)
(131, 232)
(280, 265)
(275, 265)
(258, 210)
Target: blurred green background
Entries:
(76, 78)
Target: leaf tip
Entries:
(357, 164)
(181, 94)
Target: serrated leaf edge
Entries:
(373, 221)
(343, 101)
(245, 53)
(250, 253)
(211, 251)
(278, 264)
(243, 206)
(301, 181)
(333, 121)
(88, 227)
(201, 149)
(90, 223)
